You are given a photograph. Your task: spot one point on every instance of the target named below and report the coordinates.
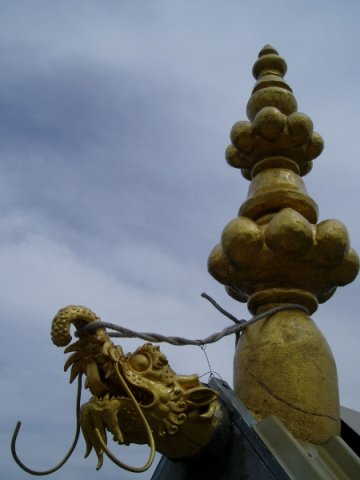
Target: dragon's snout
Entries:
(72, 314)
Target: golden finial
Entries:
(275, 127)
(276, 226)
(275, 253)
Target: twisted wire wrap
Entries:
(240, 325)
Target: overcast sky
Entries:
(114, 118)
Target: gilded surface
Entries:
(276, 253)
(133, 390)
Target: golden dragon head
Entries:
(135, 388)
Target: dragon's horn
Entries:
(72, 314)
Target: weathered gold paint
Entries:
(276, 253)
(284, 367)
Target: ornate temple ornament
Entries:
(276, 253)
(274, 256)
(136, 397)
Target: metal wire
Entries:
(239, 327)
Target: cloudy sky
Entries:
(114, 117)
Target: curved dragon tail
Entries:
(72, 314)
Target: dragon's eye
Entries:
(139, 362)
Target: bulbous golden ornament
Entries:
(275, 253)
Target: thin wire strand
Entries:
(221, 309)
(203, 348)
